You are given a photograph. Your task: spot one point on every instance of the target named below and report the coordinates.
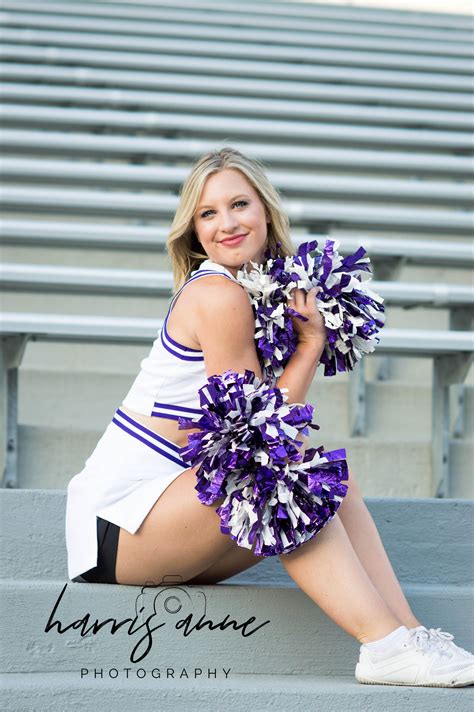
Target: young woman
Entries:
(133, 515)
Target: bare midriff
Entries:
(176, 327)
(165, 427)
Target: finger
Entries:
(309, 296)
(300, 297)
(294, 296)
(315, 292)
(310, 299)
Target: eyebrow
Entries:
(240, 195)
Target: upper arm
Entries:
(225, 327)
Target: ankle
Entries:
(388, 642)
(379, 633)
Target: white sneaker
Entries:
(445, 640)
(416, 659)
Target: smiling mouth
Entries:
(233, 240)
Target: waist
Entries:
(166, 426)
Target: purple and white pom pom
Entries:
(353, 314)
(248, 452)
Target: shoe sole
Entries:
(365, 681)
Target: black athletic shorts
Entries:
(107, 541)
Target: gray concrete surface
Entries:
(55, 692)
(429, 541)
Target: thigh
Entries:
(179, 537)
(234, 562)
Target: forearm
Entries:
(300, 370)
(298, 376)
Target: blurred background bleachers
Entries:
(364, 121)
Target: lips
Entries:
(235, 240)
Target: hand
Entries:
(313, 329)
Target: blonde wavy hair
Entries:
(183, 247)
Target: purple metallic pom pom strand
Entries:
(353, 314)
(248, 452)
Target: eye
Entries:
(244, 202)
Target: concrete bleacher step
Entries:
(48, 635)
(108, 258)
(49, 457)
(428, 541)
(102, 255)
(403, 369)
(300, 659)
(393, 459)
(108, 359)
(54, 692)
(63, 356)
(88, 401)
(136, 301)
(279, 615)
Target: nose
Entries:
(228, 222)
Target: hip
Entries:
(130, 451)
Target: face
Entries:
(230, 206)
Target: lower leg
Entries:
(367, 544)
(329, 571)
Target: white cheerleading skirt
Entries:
(129, 469)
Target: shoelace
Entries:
(444, 638)
(423, 640)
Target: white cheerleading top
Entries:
(171, 375)
(131, 465)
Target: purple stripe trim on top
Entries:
(191, 279)
(182, 408)
(177, 354)
(175, 343)
(158, 414)
(152, 434)
(147, 442)
(187, 349)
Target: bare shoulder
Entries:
(224, 316)
(225, 326)
(206, 291)
(207, 302)
(218, 295)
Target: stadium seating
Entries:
(363, 120)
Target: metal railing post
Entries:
(12, 349)
(357, 400)
(447, 370)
